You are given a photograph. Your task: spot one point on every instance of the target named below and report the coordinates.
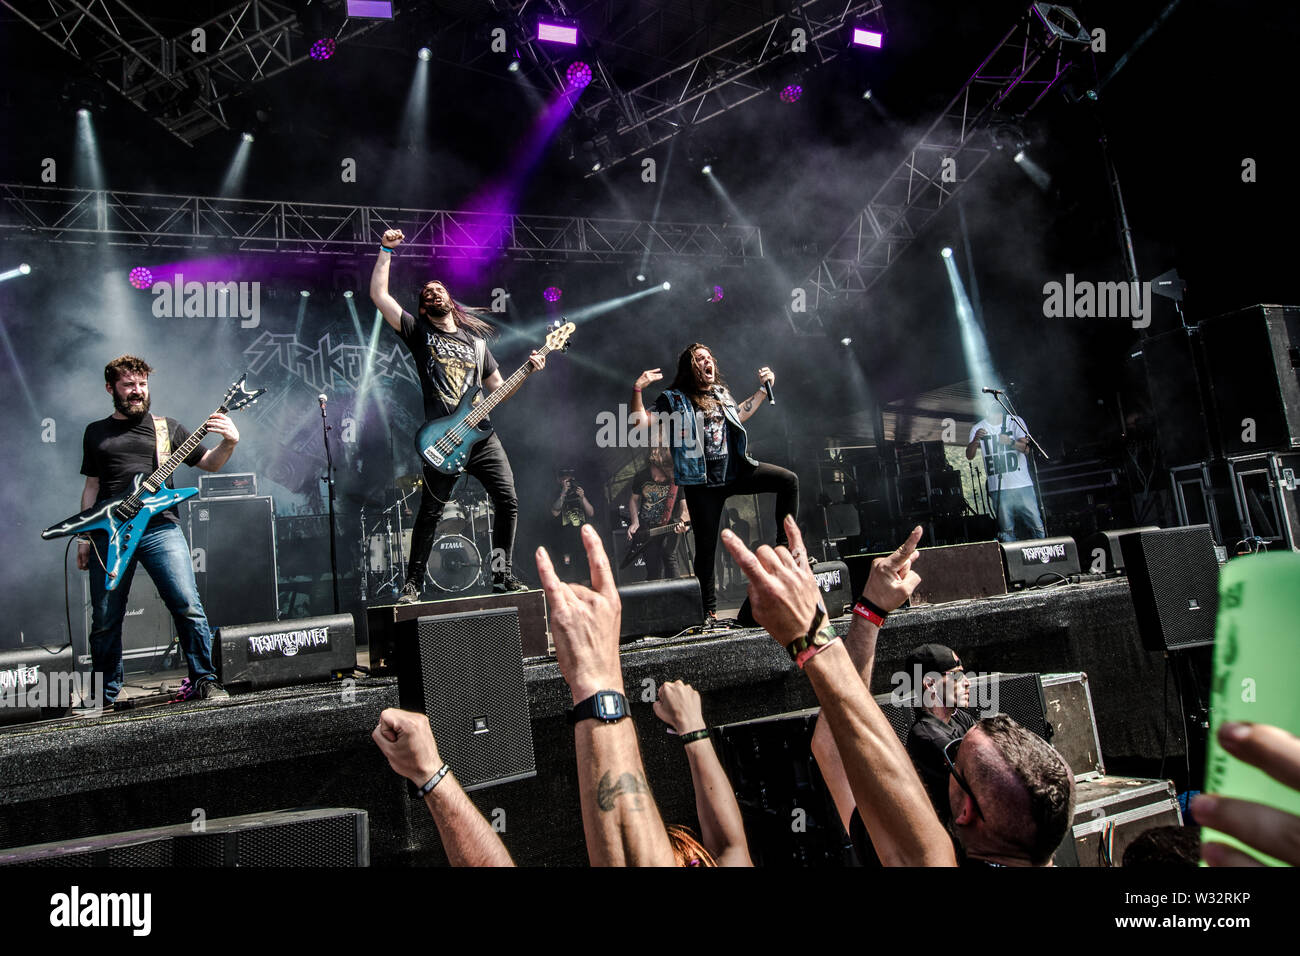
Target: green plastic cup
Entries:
(1256, 676)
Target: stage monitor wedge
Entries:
(1174, 580)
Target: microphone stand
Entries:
(329, 481)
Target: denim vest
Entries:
(692, 469)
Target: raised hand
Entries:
(783, 593)
(648, 377)
(679, 707)
(892, 580)
(765, 376)
(392, 237)
(406, 739)
(585, 622)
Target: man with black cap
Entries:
(942, 689)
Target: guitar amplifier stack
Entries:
(232, 542)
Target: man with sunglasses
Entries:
(943, 689)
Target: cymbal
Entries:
(408, 483)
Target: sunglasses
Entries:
(950, 751)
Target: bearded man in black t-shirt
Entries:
(450, 351)
(114, 451)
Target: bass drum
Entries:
(454, 563)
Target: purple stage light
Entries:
(552, 293)
(578, 75)
(371, 9)
(717, 294)
(557, 32)
(862, 37)
(791, 93)
(141, 277)
(322, 49)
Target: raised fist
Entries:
(392, 237)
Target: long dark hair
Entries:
(468, 319)
(686, 380)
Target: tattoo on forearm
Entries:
(608, 790)
(749, 403)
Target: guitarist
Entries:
(449, 346)
(116, 449)
(657, 501)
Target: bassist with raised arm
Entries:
(449, 346)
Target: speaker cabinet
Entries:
(233, 544)
(1255, 378)
(1174, 580)
(958, 572)
(1040, 561)
(1100, 553)
(660, 608)
(148, 630)
(281, 653)
(465, 672)
(37, 683)
(297, 838)
(1180, 397)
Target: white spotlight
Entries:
(514, 66)
(347, 293)
(667, 286)
(946, 252)
(595, 167)
(248, 137)
(866, 95)
(1019, 157)
(83, 113)
(640, 277)
(25, 269)
(425, 54)
(305, 294)
(846, 341)
(706, 169)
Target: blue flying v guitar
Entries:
(125, 517)
(446, 443)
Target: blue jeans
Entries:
(165, 554)
(1017, 504)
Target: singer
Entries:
(1002, 441)
(699, 396)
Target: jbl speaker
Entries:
(36, 683)
(1255, 378)
(282, 653)
(1040, 561)
(233, 545)
(465, 672)
(660, 608)
(1174, 580)
(298, 838)
(1100, 553)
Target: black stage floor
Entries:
(310, 746)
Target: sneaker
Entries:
(211, 689)
(410, 593)
(186, 692)
(503, 582)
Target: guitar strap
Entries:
(480, 355)
(162, 440)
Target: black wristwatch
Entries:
(606, 705)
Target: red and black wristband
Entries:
(870, 611)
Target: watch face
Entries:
(608, 706)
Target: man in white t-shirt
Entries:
(1003, 443)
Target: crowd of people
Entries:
(1006, 798)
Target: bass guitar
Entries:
(125, 517)
(446, 443)
(641, 540)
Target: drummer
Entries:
(572, 510)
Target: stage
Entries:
(310, 746)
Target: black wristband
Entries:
(433, 781)
(694, 735)
(873, 607)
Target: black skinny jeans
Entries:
(707, 504)
(487, 463)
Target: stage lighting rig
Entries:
(1062, 23)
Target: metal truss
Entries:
(728, 75)
(159, 221)
(183, 90)
(1012, 80)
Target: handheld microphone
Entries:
(991, 391)
(767, 387)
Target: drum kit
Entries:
(456, 560)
